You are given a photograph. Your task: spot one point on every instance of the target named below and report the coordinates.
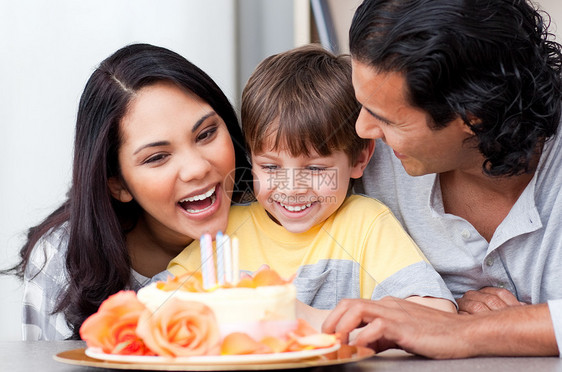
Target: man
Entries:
(465, 96)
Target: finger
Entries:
(469, 306)
(506, 296)
(486, 299)
(332, 320)
(369, 334)
(347, 316)
(492, 301)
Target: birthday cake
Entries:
(199, 314)
(261, 306)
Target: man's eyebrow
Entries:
(376, 116)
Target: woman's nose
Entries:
(367, 127)
(194, 166)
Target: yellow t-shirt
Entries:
(356, 249)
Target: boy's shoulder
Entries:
(238, 211)
(362, 205)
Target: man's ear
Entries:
(473, 120)
(118, 190)
(363, 159)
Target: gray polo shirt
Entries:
(525, 252)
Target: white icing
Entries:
(262, 311)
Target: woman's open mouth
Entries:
(199, 203)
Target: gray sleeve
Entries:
(161, 276)
(44, 280)
(418, 279)
(555, 307)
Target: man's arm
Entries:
(521, 330)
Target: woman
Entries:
(158, 155)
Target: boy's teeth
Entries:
(199, 197)
(297, 208)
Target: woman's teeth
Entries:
(199, 203)
(199, 197)
(296, 208)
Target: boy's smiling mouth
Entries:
(295, 208)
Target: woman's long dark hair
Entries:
(489, 59)
(97, 260)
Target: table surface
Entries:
(37, 356)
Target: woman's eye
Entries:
(155, 158)
(206, 134)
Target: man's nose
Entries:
(367, 127)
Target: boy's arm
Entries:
(436, 303)
(314, 317)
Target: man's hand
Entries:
(392, 322)
(486, 299)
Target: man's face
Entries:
(386, 114)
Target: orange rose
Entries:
(190, 282)
(238, 343)
(112, 327)
(180, 328)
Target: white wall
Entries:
(554, 8)
(48, 51)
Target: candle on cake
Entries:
(227, 261)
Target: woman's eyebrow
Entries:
(152, 144)
(166, 143)
(201, 120)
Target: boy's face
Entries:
(301, 192)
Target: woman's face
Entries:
(177, 161)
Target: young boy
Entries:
(298, 115)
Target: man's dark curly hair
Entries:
(493, 60)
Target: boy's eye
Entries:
(270, 167)
(316, 169)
